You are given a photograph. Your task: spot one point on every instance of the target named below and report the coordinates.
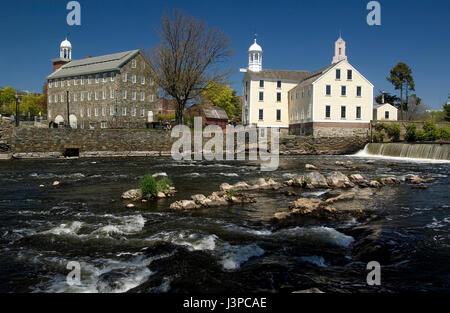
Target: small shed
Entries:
(211, 115)
(386, 112)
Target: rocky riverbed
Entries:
(311, 226)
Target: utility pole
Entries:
(17, 110)
(68, 112)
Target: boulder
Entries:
(310, 167)
(414, 179)
(339, 180)
(184, 205)
(375, 184)
(133, 194)
(390, 181)
(358, 179)
(342, 197)
(305, 205)
(161, 195)
(315, 180)
(225, 187)
(198, 198)
(130, 206)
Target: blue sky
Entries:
(295, 35)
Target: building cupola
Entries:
(65, 55)
(339, 51)
(65, 51)
(255, 57)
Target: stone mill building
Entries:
(109, 91)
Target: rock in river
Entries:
(133, 194)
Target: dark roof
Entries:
(313, 76)
(100, 64)
(214, 112)
(280, 74)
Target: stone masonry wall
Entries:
(40, 142)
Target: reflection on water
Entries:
(84, 220)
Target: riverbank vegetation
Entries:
(393, 132)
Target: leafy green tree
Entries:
(8, 100)
(29, 105)
(222, 96)
(401, 78)
(447, 112)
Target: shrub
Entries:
(420, 135)
(444, 133)
(380, 126)
(411, 132)
(167, 117)
(394, 131)
(164, 184)
(149, 186)
(430, 130)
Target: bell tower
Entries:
(339, 50)
(255, 57)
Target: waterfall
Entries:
(406, 150)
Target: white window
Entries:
(142, 112)
(143, 80)
(124, 77)
(49, 99)
(111, 93)
(113, 76)
(81, 96)
(134, 95)
(96, 95)
(133, 111)
(91, 125)
(103, 125)
(89, 79)
(105, 76)
(56, 98)
(56, 83)
(75, 97)
(104, 94)
(142, 96)
(89, 95)
(111, 110)
(82, 80)
(103, 111)
(97, 78)
(88, 111)
(133, 64)
(81, 112)
(133, 79)
(152, 97)
(62, 97)
(49, 84)
(124, 94)
(62, 83)
(124, 111)
(75, 80)
(96, 111)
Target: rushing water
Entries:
(152, 249)
(406, 150)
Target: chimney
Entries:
(58, 63)
(382, 97)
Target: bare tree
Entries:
(416, 108)
(189, 56)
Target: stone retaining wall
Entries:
(39, 143)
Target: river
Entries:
(150, 248)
